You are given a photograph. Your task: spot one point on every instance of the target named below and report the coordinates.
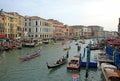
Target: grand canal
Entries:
(12, 69)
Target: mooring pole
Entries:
(88, 60)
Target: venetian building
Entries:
(113, 34)
(107, 34)
(76, 31)
(19, 23)
(37, 27)
(97, 31)
(66, 31)
(8, 24)
(87, 32)
(2, 23)
(61, 31)
(11, 24)
(110, 34)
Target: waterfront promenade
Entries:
(12, 69)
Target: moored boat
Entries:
(74, 63)
(28, 42)
(110, 72)
(46, 41)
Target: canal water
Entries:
(12, 69)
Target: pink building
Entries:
(61, 31)
(76, 31)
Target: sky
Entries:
(105, 13)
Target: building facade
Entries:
(19, 23)
(87, 32)
(76, 31)
(61, 31)
(38, 27)
(96, 31)
(11, 24)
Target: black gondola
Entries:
(58, 63)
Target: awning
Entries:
(2, 36)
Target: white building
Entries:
(38, 27)
(87, 32)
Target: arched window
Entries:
(36, 30)
(36, 23)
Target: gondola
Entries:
(36, 54)
(63, 61)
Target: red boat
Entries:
(36, 54)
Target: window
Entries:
(25, 24)
(36, 23)
(2, 18)
(29, 29)
(29, 35)
(36, 35)
(45, 29)
(46, 24)
(29, 23)
(40, 22)
(44, 36)
(36, 30)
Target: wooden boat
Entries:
(110, 72)
(37, 41)
(59, 62)
(19, 46)
(6, 48)
(103, 58)
(65, 49)
(28, 42)
(46, 41)
(95, 47)
(36, 54)
(74, 63)
(82, 41)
